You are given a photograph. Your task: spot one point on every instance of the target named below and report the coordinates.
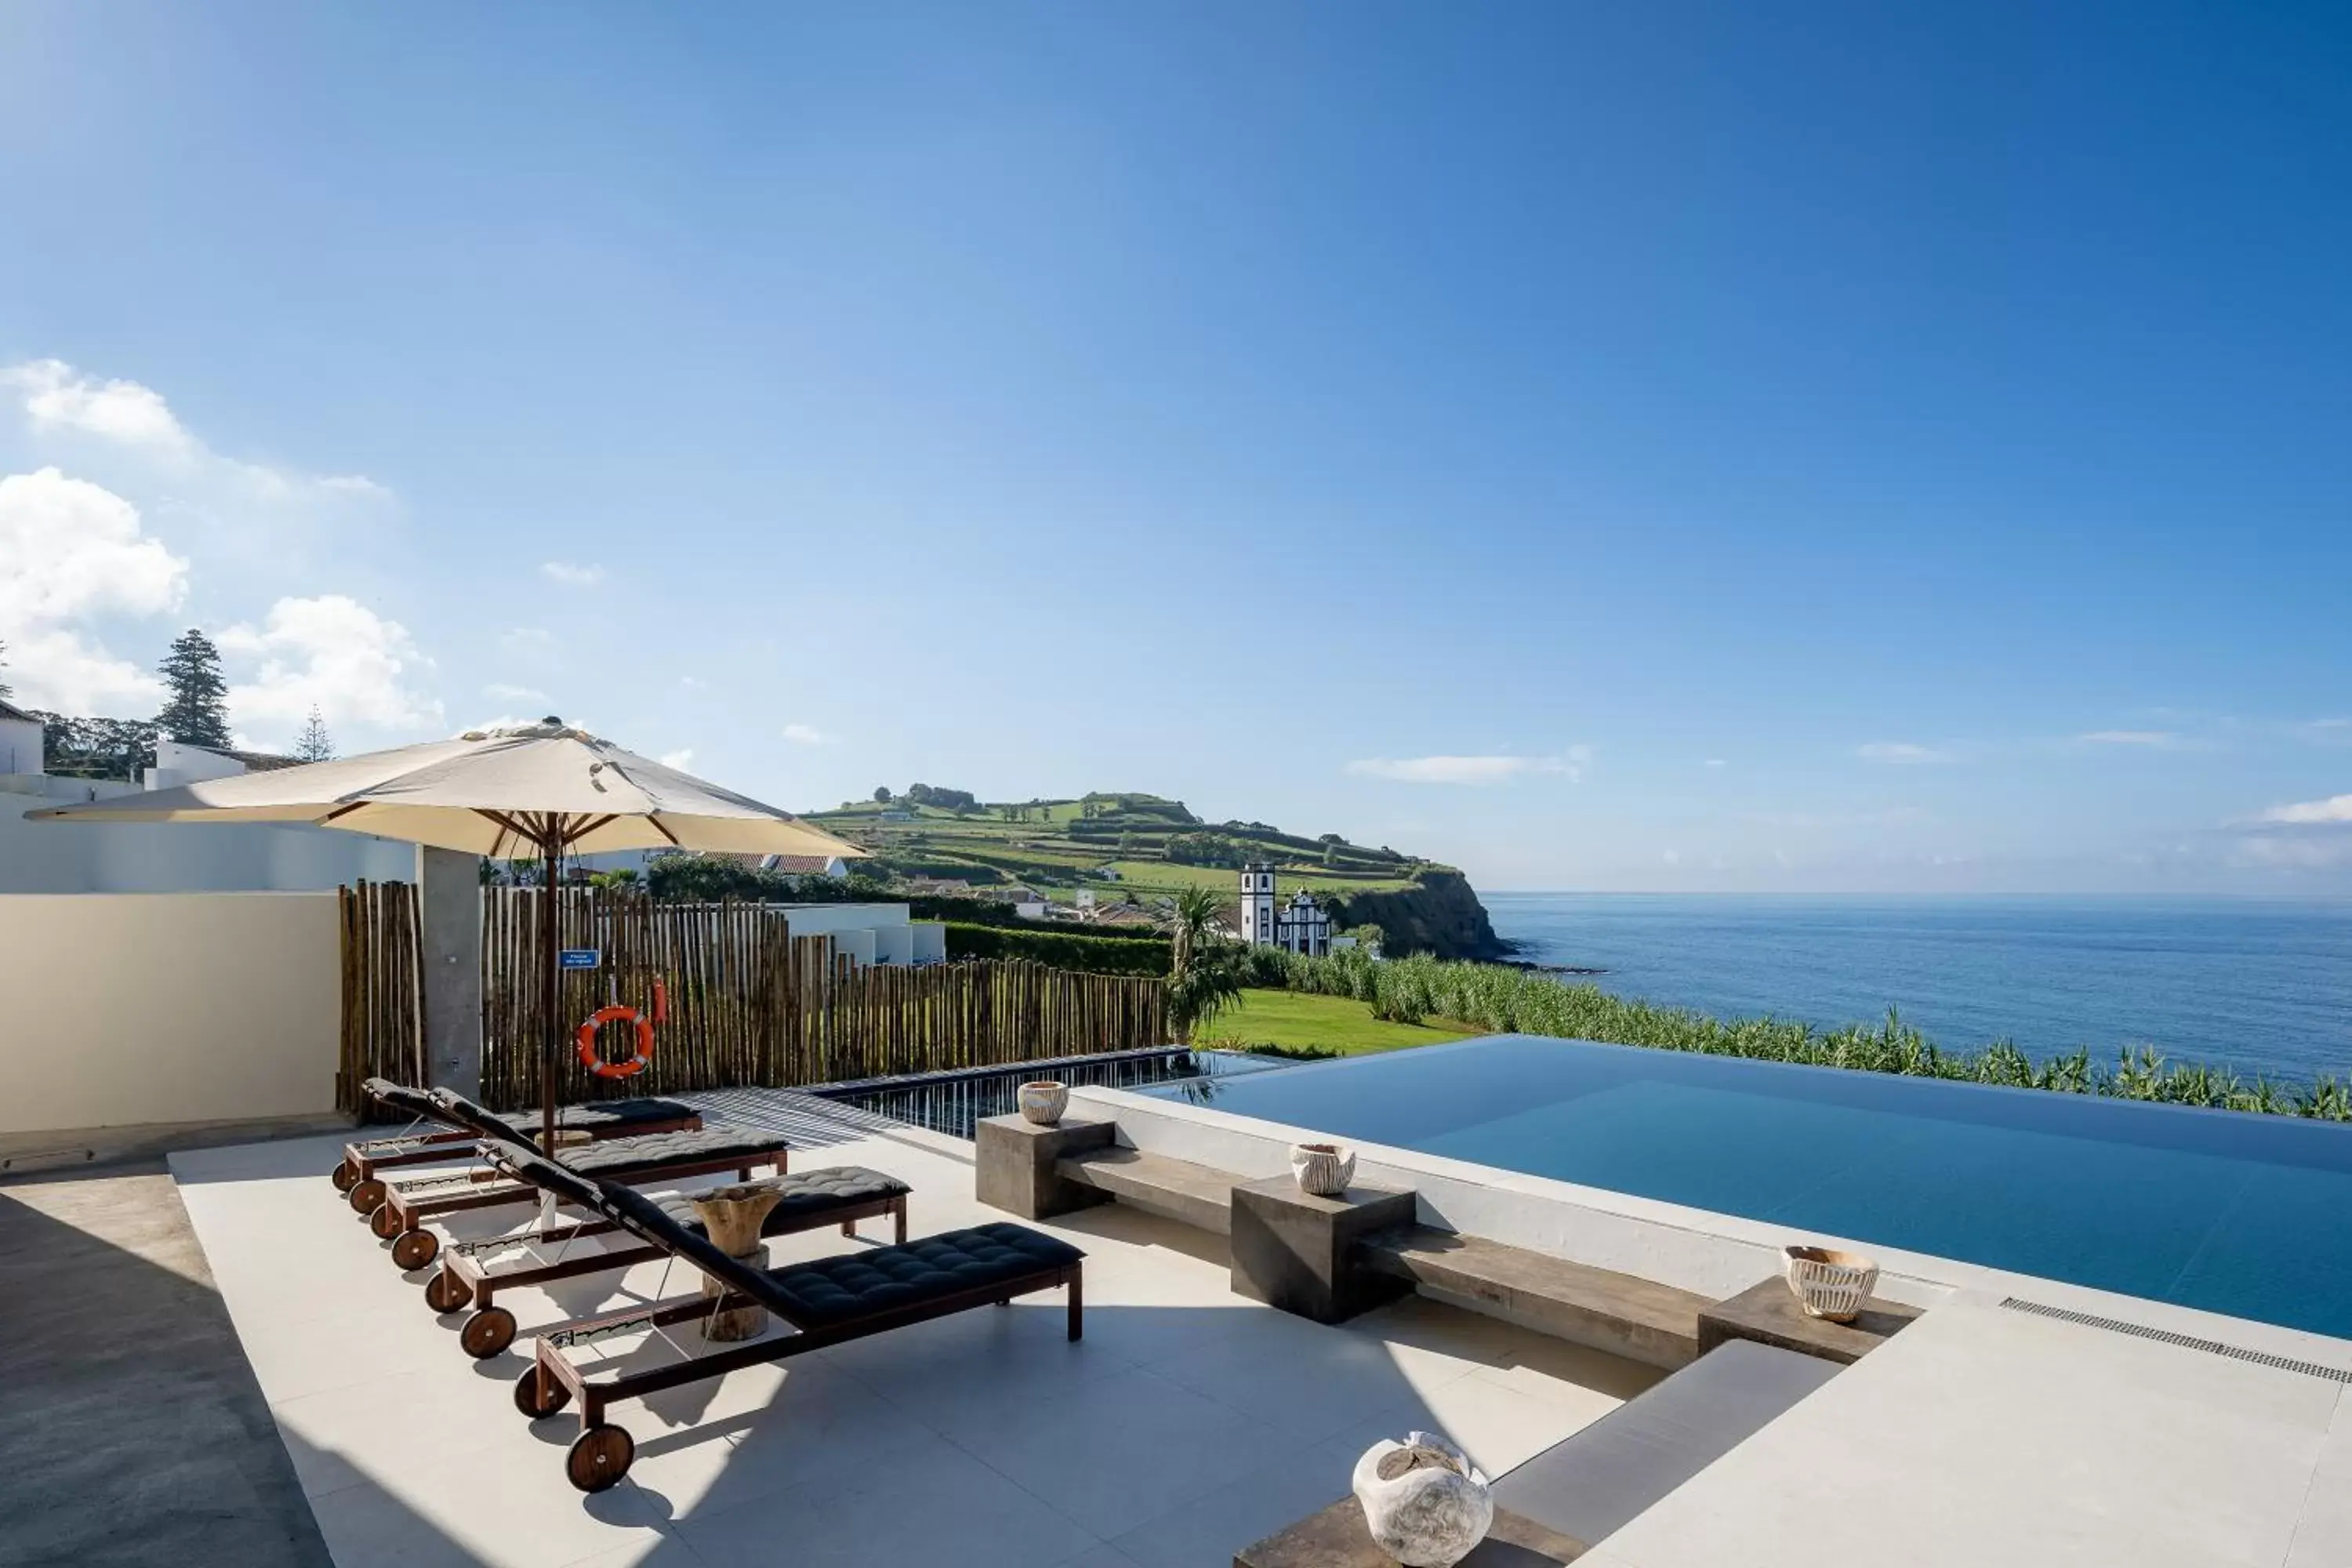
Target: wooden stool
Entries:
(732, 1217)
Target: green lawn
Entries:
(1339, 1024)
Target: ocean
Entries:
(2259, 986)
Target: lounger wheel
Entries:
(599, 1458)
(366, 1197)
(343, 1176)
(384, 1223)
(415, 1249)
(528, 1400)
(488, 1333)
(445, 1292)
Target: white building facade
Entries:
(1302, 925)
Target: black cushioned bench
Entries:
(824, 1303)
(655, 1157)
(353, 1174)
(807, 1200)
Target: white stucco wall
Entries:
(130, 1009)
(180, 856)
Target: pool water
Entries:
(2224, 1211)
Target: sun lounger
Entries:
(468, 1275)
(653, 1157)
(607, 1119)
(822, 1303)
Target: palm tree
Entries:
(1201, 981)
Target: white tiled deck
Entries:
(1188, 1423)
(1981, 1436)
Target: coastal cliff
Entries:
(1438, 912)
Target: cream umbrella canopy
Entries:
(539, 789)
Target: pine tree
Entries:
(196, 713)
(313, 744)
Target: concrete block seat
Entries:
(469, 1276)
(653, 1157)
(1589, 1484)
(1177, 1189)
(605, 1118)
(1621, 1313)
(825, 1302)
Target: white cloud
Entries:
(499, 691)
(1900, 752)
(332, 652)
(2130, 737)
(808, 735)
(1483, 770)
(1717, 763)
(569, 575)
(2335, 808)
(694, 683)
(681, 759)
(69, 550)
(58, 397)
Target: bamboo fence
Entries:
(748, 1003)
(383, 1020)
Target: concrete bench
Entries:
(1559, 1505)
(1594, 1480)
(1160, 1184)
(1621, 1313)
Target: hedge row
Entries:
(1063, 950)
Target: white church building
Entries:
(1302, 926)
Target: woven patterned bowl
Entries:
(1324, 1170)
(1831, 1284)
(1044, 1100)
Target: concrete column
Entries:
(1012, 1167)
(449, 900)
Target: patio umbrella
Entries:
(543, 789)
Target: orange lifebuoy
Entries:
(635, 1064)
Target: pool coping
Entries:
(1695, 1250)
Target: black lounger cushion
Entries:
(892, 1279)
(808, 1295)
(803, 1197)
(617, 1158)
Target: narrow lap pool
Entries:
(2232, 1212)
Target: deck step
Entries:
(1196, 1195)
(1621, 1313)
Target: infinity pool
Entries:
(2232, 1212)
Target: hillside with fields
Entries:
(1145, 845)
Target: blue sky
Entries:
(1681, 446)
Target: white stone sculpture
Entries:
(1324, 1170)
(1426, 1503)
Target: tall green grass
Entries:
(1520, 1001)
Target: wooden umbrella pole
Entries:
(551, 872)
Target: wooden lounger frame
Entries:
(362, 1160)
(465, 1279)
(405, 1210)
(600, 1455)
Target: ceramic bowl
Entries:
(1043, 1101)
